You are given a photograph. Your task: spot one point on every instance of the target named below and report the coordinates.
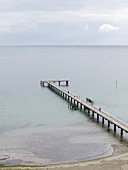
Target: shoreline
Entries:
(117, 161)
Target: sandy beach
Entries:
(117, 161)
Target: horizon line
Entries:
(62, 45)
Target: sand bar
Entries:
(117, 161)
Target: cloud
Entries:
(108, 28)
(16, 22)
(62, 21)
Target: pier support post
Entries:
(71, 100)
(97, 118)
(102, 120)
(92, 114)
(66, 83)
(121, 133)
(42, 83)
(108, 124)
(68, 98)
(74, 101)
(77, 104)
(114, 128)
(88, 111)
(80, 106)
(84, 108)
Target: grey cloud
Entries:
(60, 21)
(59, 5)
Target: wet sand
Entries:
(117, 161)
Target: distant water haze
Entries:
(36, 125)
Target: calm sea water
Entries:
(36, 125)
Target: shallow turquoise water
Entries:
(36, 126)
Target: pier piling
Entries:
(97, 118)
(108, 124)
(93, 114)
(114, 128)
(102, 120)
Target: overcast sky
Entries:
(63, 22)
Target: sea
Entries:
(36, 125)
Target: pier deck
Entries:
(85, 105)
(43, 82)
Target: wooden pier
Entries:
(43, 82)
(86, 106)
